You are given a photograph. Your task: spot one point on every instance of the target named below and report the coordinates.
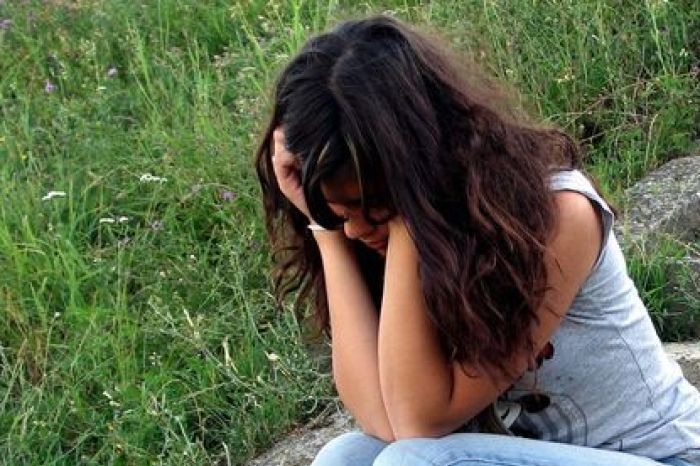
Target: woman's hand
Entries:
(287, 168)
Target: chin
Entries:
(378, 246)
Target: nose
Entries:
(357, 228)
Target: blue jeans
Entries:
(358, 449)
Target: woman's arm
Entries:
(425, 395)
(354, 325)
(416, 379)
(353, 316)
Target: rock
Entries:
(665, 202)
(662, 218)
(687, 355)
(300, 447)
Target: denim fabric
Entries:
(676, 462)
(358, 449)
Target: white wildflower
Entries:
(51, 194)
(120, 219)
(148, 178)
(273, 357)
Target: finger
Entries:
(283, 159)
(278, 134)
(279, 143)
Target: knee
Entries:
(349, 449)
(408, 452)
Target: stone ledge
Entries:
(687, 355)
(300, 447)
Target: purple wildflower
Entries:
(112, 71)
(49, 87)
(227, 195)
(5, 24)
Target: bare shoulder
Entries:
(578, 233)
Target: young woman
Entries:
(479, 307)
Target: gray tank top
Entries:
(609, 383)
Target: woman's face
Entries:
(343, 198)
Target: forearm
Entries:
(416, 379)
(354, 326)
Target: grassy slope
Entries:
(136, 324)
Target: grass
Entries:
(668, 285)
(136, 321)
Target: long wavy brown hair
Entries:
(430, 143)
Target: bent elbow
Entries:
(417, 430)
(415, 433)
(385, 435)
